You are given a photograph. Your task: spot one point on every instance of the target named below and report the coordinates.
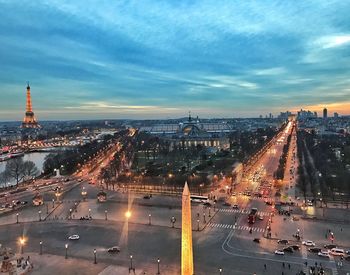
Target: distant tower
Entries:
(29, 120)
(186, 237)
(325, 113)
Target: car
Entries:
(2, 208)
(226, 203)
(114, 249)
(235, 206)
(337, 252)
(329, 246)
(295, 247)
(282, 241)
(315, 249)
(347, 252)
(24, 202)
(279, 252)
(207, 204)
(288, 249)
(308, 243)
(74, 237)
(261, 217)
(323, 253)
(146, 197)
(256, 240)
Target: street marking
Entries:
(243, 211)
(231, 226)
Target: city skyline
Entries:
(116, 61)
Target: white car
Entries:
(73, 237)
(308, 243)
(279, 252)
(323, 254)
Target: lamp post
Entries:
(41, 247)
(66, 246)
(17, 218)
(158, 262)
(106, 218)
(47, 208)
(21, 242)
(131, 266)
(70, 213)
(209, 213)
(75, 207)
(39, 212)
(220, 270)
(204, 218)
(198, 225)
(89, 212)
(149, 219)
(95, 259)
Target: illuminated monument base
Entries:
(186, 237)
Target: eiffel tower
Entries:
(29, 120)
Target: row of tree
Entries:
(279, 173)
(18, 170)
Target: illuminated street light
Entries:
(158, 262)
(128, 214)
(149, 219)
(66, 246)
(39, 212)
(106, 214)
(95, 259)
(41, 247)
(17, 218)
(220, 270)
(22, 242)
(131, 266)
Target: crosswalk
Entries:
(236, 227)
(241, 211)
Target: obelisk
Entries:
(186, 237)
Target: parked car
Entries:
(288, 249)
(256, 240)
(282, 241)
(308, 243)
(279, 252)
(295, 247)
(329, 246)
(337, 252)
(146, 197)
(114, 249)
(74, 237)
(315, 249)
(323, 254)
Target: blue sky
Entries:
(159, 59)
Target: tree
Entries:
(4, 179)
(15, 169)
(30, 169)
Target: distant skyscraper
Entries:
(29, 120)
(324, 113)
(336, 115)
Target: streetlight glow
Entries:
(128, 215)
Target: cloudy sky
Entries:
(159, 59)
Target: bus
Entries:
(199, 199)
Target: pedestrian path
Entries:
(236, 227)
(241, 211)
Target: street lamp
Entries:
(197, 224)
(39, 212)
(131, 266)
(22, 242)
(204, 218)
(149, 219)
(209, 213)
(41, 247)
(106, 214)
(95, 259)
(220, 270)
(128, 214)
(66, 246)
(158, 262)
(89, 212)
(47, 209)
(17, 218)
